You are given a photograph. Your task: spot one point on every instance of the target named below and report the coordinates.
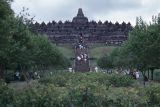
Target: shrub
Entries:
(42, 96)
(6, 95)
(9, 76)
(121, 80)
(153, 94)
(57, 80)
(69, 89)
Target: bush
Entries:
(153, 94)
(157, 75)
(9, 76)
(121, 80)
(42, 96)
(6, 95)
(57, 80)
(77, 89)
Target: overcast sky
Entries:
(111, 10)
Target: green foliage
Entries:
(157, 75)
(27, 50)
(98, 78)
(5, 9)
(121, 81)
(9, 76)
(105, 62)
(47, 54)
(143, 44)
(19, 47)
(153, 93)
(57, 80)
(42, 96)
(74, 79)
(141, 50)
(78, 90)
(6, 95)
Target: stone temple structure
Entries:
(92, 31)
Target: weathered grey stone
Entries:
(67, 32)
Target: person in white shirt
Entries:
(85, 55)
(137, 74)
(80, 46)
(96, 69)
(70, 69)
(82, 56)
(78, 58)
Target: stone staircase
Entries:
(81, 57)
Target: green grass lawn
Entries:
(66, 50)
(99, 51)
(95, 51)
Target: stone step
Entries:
(81, 65)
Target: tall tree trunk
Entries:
(2, 68)
(25, 76)
(148, 74)
(143, 74)
(24, 73)
(152, 70)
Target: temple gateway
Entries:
(93, 32)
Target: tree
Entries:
(5, 13)
(21, 48)
(5, 9)
(141, 50)
(105, 62)
(144, 44)
(45, 54)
